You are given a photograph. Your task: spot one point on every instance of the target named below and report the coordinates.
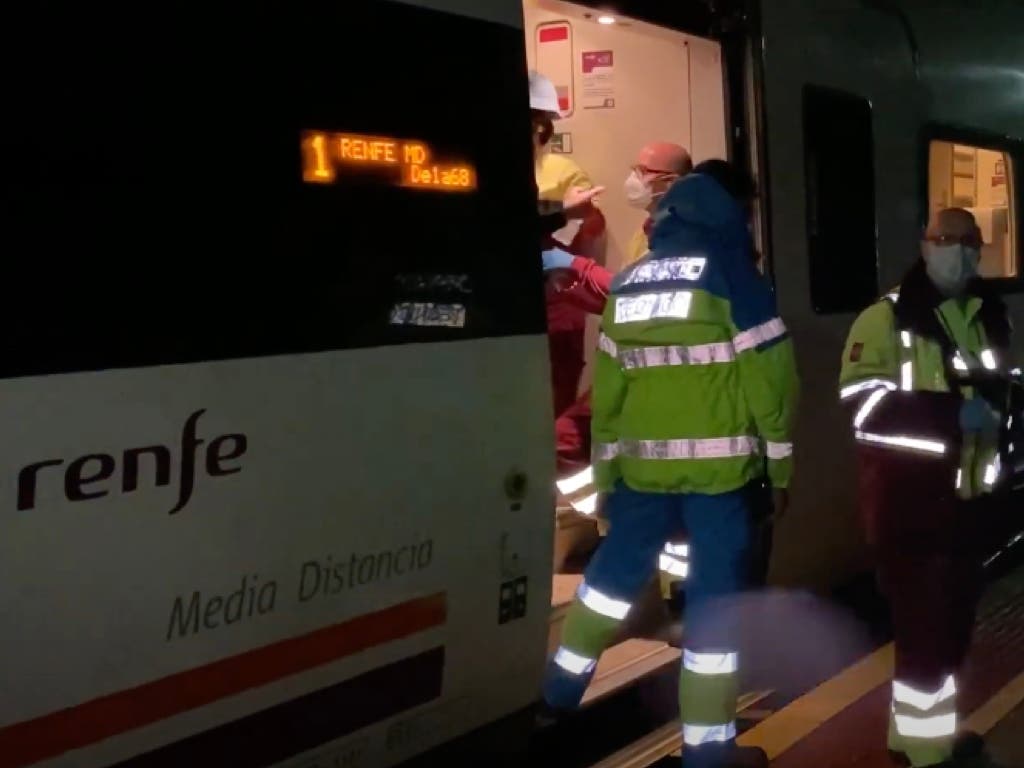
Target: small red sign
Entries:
(593, 59)
(553, 34)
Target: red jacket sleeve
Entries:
(591, 241)
(593, 282)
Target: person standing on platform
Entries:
(927, 462)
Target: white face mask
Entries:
(951, 267)
(638, 192)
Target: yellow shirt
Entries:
(557, 174)
(636, 249)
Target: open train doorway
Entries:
(621, 83)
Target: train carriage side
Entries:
(867, 106)
(277, 431)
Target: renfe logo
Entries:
(84, 477)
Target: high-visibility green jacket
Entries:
(900, 368)
(695, 381)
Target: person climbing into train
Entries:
(762, 500)
(558, 177)
(657, 167)
(582, 283)
(587, 284)
(693, 322)
(927, 461)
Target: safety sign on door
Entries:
(598, 86)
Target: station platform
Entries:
(843, 721)
(839, 719)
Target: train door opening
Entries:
(621, 83)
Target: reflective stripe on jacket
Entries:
(899, 371)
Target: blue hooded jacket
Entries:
(695, 381)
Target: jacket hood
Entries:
(697, 213)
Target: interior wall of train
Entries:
(623, 83)
(874, 115)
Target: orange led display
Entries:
(328, 157)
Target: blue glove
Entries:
(556, 258)
(977, 416)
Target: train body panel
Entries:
(279, 461)
(302, 560)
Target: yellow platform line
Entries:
(799, 718)
(1002, 703)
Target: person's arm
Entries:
(767, 365)
(556, 214)
(593, 283)
(885, 409)
(591, 239)
(580, 281)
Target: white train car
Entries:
(277, 421)
(276, 466)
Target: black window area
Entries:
(840, 183)
(152, 202)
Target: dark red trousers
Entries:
(566, 350)
(929, 548)
(572, 436)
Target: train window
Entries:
(245, 203)
(840, 184)
(980, 179)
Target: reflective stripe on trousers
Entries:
(708, 716)
(924, 722)
(640, 524)
(674, 560)
(580, 491)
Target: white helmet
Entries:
(543, 96)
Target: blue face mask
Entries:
(951, 267)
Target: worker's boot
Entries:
(968, 746)
(899, 759)
(969, 752)
(980, 761)
(745, 757)
(546, 716)
(724, 755)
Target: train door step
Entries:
(574, 533)
(619, 666)
(625, 663)
(666, 741)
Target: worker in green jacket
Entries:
(694, 387)
(928, 463)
